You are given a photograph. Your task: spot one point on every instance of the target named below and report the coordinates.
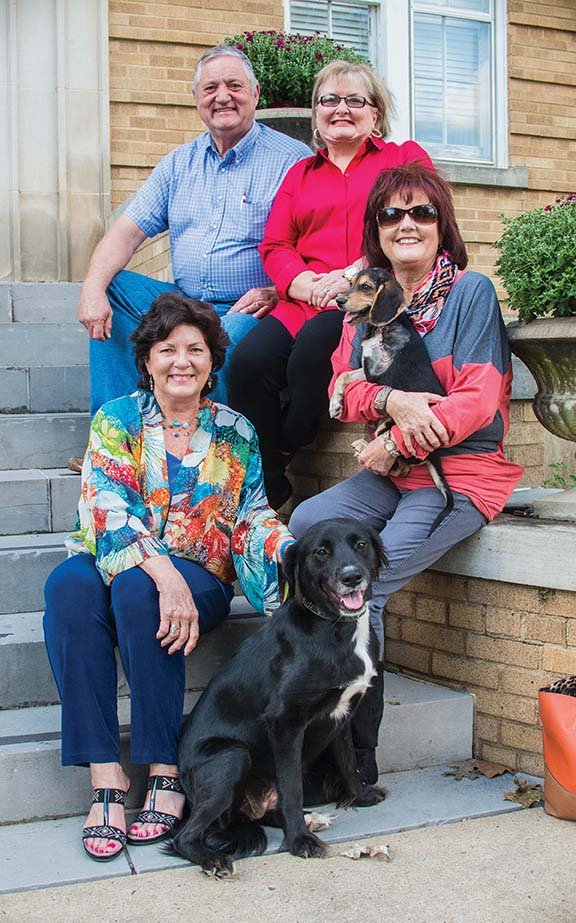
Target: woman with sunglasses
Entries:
(410, 229)
(280, 371)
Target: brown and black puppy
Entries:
(393, 354)
(282, 705)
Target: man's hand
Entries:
(376, 458)
(95, 313)
(411, 412)
(257, 301)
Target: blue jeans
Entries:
(112, 369)
(84, 621)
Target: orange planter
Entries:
(558, 716)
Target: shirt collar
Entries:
(240, 150)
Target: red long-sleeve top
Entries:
(317, 218)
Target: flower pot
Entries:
(292, 120)
(548, 347)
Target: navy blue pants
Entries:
(84, 622)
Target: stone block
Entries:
(544, 628)
(516, 653)
(41, 440)
(64, 495)
(522, 737)
(410, 658)
(435, 637)
(523, 682)
(559, 660)
(46, 302)
(431, 610)
(500, 705)
(24, 345)
(23, 503)
(5, 302)
(503, 622)
(25, 563)
(465, 615)
(402, 603)
(13, 390)
(59, 389)
(463, 670)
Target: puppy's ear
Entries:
(389, 300)
(290, 568)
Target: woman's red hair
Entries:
(404, 181)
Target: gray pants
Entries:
(404, 517)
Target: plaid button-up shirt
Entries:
(215, 209)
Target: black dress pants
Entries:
(280, 383)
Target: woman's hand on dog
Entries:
(411, 413)
(327, 286)
(376, 458)
(178, 613)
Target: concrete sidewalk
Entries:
(512, 868)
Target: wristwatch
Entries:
(350, 273)
(381, 400)
(390, 445)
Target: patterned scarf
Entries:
(428, 300)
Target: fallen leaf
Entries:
(525, 794)
(471, 769)
(372, 851)
(391, 702)
(315, 821)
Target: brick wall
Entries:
(499, 641)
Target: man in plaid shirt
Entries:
(213, 195)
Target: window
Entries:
(444, 60)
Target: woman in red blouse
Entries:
(279, 373)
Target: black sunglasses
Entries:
(420, 214)
(331, 100)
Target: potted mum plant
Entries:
(537, 264)
(285, 65)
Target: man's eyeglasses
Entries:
(420, 214)
(330, 101)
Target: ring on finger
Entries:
(174, 628)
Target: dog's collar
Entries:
(341, 618)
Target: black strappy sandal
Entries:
(105, 796)
(151, 816)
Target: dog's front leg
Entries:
(342, 382)
(287, 748)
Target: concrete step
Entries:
(46, 389)
(39, 302)
(25, 562)
(42, 440)
(37, 345)
(36, 500)
(422, 726)
(26, 678)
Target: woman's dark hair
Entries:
(168, 311)
(404, 181)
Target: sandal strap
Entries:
(163, 784)
(156, 817)
(104, 832)
(109, 796)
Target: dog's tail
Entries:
(434, 465)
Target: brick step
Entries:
(46, 389)
(39, 302)
(41, 440)
(36, 500)
(39, 345)
(423, 725)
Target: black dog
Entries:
(282, 704)
(393, 354)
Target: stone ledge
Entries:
(529, 552)
(473, 175)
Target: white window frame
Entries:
(394, 30)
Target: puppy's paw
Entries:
(335, 407)
(369, 795)
(307, 846)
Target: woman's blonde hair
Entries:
(376, 92)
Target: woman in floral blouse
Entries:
(172, 510)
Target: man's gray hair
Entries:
(219, 52)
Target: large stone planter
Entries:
(547, 346)
(291, 120)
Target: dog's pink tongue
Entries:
(352, 600)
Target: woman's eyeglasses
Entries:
(330, 101)
(420, 214)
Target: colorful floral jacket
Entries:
(218, 515)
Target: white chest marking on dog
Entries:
(362, 681)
